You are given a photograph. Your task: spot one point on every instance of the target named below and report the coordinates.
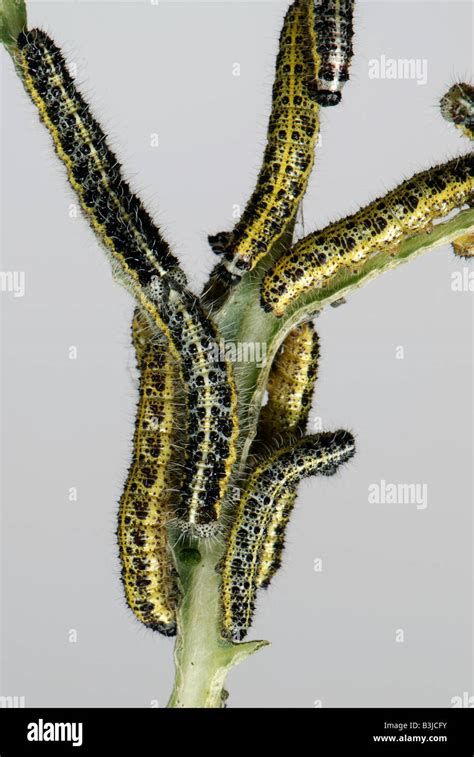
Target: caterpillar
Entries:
(148, 573)
(141, 260)
(333, 31)
(291, 383)
(82, 145)
(290, 391)
(274, 540)
(289, 153)
(383, 224)
(320, 454)
(457, 106)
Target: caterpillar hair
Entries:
(146, 506)
(143, 263)
(320, 454)
(411, 207)
(290, 384)
(289, 154)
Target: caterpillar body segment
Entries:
(146, 506)
(332, 35)
(93, 169)
(143, 263)
(457, 106)
(411, 207)
(289, 154)
(290, 391)
(291, 384)
(321, 454)
(211, 418)
(274, 541)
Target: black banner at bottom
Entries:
(324, 731)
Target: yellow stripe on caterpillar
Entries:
(82, 145)
(289, 154)
(146, 506)
(320, 454)
(382, 225)
(290, 384)
(457, 106)
(151, 274)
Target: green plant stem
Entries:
(12, 22)
(203, 659)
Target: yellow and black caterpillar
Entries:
(289, 154)
(290, 384)
(333, 32)
(409, 208)
(143, 262)
(321, 454)
(92, 166)
(457, 106)
(147, 503)
(290, 391)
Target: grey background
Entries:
(168, 69)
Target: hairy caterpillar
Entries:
(148, 573)
(142, 261)
(333, 31)
(411, 207)
(289, 154)
(457, 106)
(290, 391)
(291, 383)
(320, 454)
(221, 241)
(82, 145)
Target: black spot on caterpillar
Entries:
(457, 106)
(143, 263)
(333, 32)
(411, 207)
(290, 391)
(289, 154)
(146, 506)
(220, 242)
(321, 454)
